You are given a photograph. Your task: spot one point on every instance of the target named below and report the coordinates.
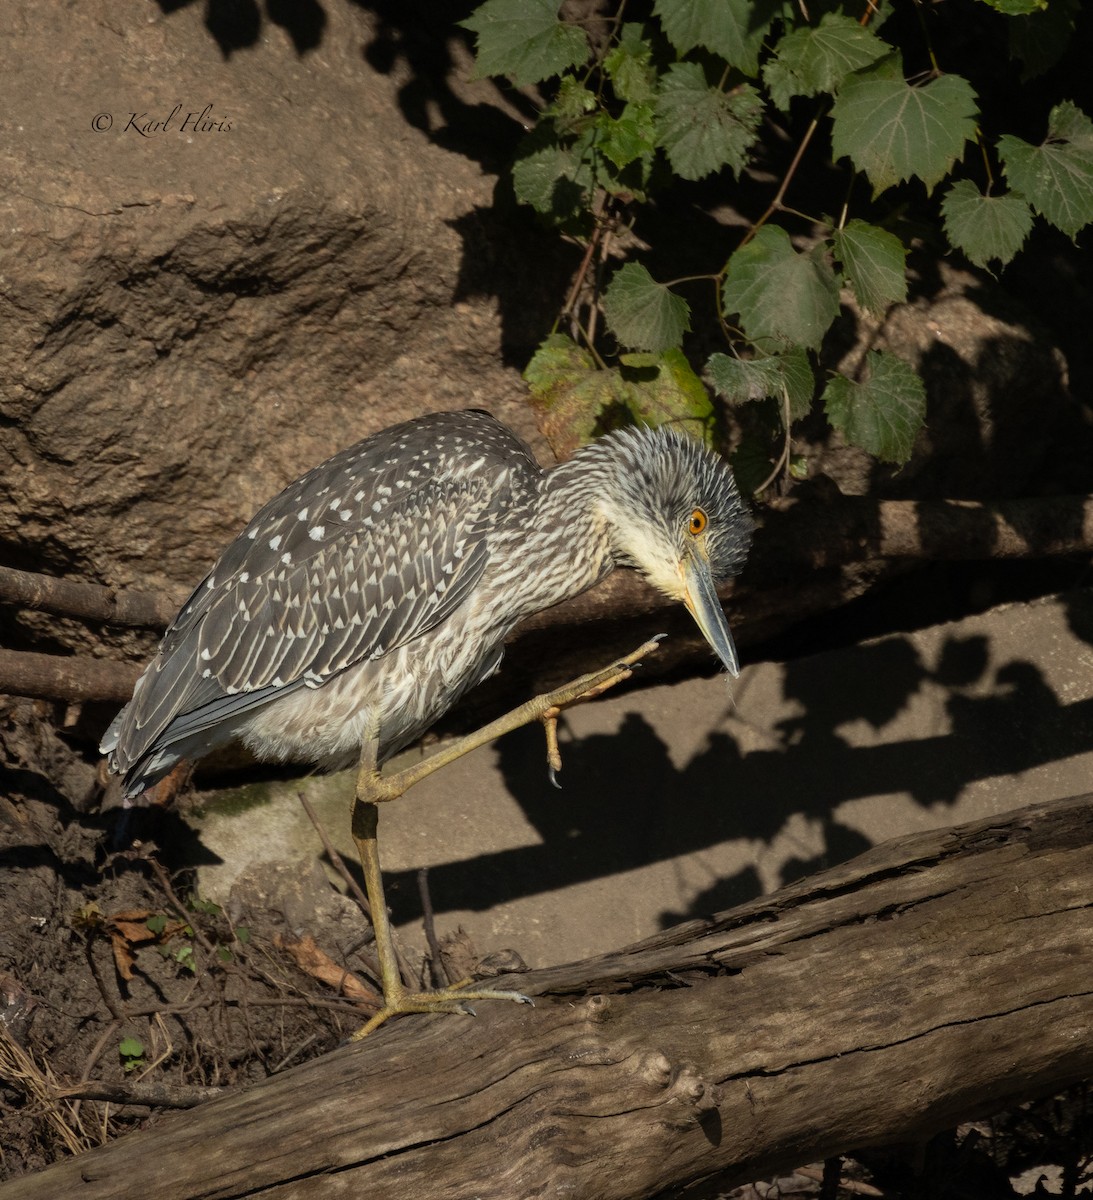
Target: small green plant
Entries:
(131, 1051)
(701, 88)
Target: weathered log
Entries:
(931, 980)
(70, 677)
(88, 601)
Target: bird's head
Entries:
(674, 512)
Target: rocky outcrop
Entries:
(215, 270)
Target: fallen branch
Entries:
(87, 601)
(930, 981)
(150, 1095)
(798, 533)
(814, 531)
(65, 676)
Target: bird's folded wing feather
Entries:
(301, 595)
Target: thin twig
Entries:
(181, 910)
(152, 1095)
(339, 865)
(440, 972)
(336, 859)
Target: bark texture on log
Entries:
(932, 979)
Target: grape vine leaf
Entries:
(554, 177)
(524, 40)
(642, 313)
(701, 128)
(884, 413)
(784, 376)
(779, 294)
(734, 29)
(629, 66)
(573, 101)
(816, 59)
(1056, 178)
(874, 263)
(629, 137)
(663, 388)
(893, 131)
(985, 228)
(576, 401)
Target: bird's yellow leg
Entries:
(543, 708)
(396, 999)
(374, 788)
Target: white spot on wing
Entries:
(317, 532)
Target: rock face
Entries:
(230, 247)
(215, 270)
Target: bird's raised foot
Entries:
(588, 687)
(453, 999)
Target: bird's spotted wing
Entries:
(370, 549)
(360, 586)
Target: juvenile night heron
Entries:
(371, 594)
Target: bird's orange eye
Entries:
(698, 522)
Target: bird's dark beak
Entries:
(700, 597)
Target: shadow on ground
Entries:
(625, 804)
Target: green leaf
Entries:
(576, 401)
(573, 101)
(1056, 178)
(1017, 8)
(781, 376)
(555, 178)
(751, 462)
(524, 40)
(701, 128)
(985, 228)
(663, 388)
(816, 59)
(642, 313)
(629, 66)
(875, 264)
(893, 131)
(130, 1047)
(630, 137)
(734, 29)
(156, 924)
(570, 395)
(781, 296)
(882, 415)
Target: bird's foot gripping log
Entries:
(374, 788)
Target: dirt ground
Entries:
(124, 994)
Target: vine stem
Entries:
(776, 204)
(783, 458)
